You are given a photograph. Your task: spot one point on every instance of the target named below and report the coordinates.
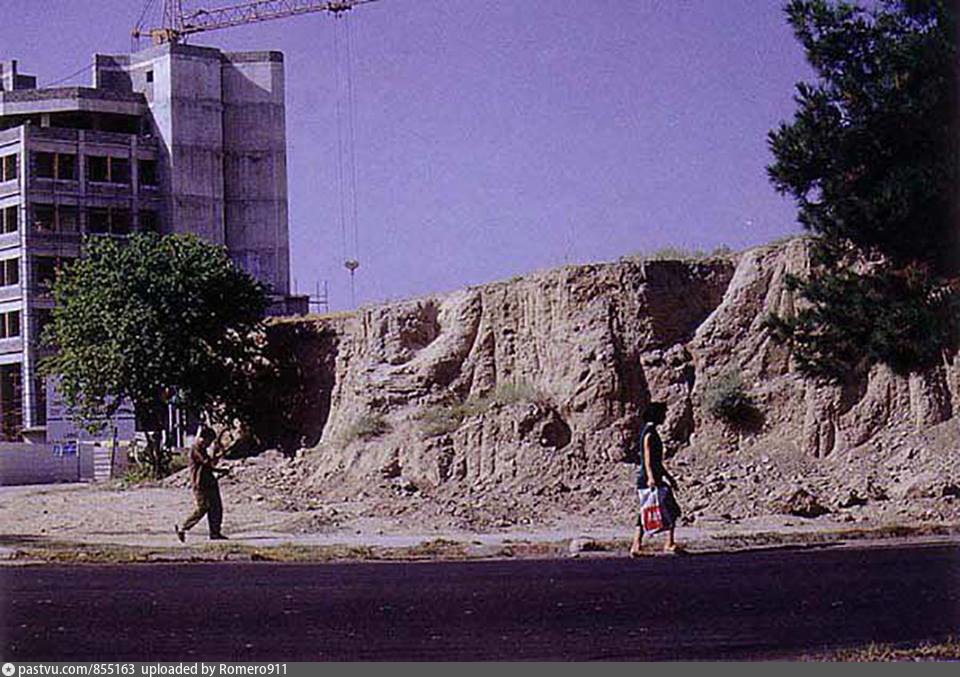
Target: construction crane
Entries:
(177, 25)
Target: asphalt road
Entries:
(737, 606)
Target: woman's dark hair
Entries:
(656, 412)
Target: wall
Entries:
(254, 165)
(38, 464)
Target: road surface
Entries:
(770, 604)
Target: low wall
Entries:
(45, 464)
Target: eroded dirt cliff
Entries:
(515, 403)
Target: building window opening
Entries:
(11, 402)
(10, 324)
(98, 221)
(120, 220)
(8, 168)
(120, 170)
(68, 219)
(55, 218)
(101, 169)
(109, 221)
(46, 269)
(45, 272)
(98, 169)
(66, 168)
(62, 166)
(148, 172)
(9, 272)
(149, 76)
(44, 318)
(40, 388)
(44, 165)
(9, 220)
(44, 218)
(149, 221)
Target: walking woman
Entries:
(652, 475)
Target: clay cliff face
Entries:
(556, 363)
(820, 418)
(539, 381)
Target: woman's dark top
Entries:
(656, 457)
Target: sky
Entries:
(495, 139)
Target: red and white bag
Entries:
(654, 516)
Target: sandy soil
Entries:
(110, 514)
(904, 486)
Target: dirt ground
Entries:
(903, 486)
(85, 517)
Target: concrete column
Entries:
(27, 368)
(82, 181)
(134, 186)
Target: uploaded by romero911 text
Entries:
(147, 669)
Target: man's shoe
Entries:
(218, 537)
(181, 534)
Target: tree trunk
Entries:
(157, 455)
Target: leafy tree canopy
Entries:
(871, 158)
(137, 316)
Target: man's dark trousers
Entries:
(209, 504)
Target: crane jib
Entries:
(177, 24)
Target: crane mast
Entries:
(177, 24)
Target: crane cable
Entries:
(352, 119)
(86, 67)
(338, 72)
(135, 36)
(346, 151)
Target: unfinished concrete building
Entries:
(174, 138)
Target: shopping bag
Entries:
(654, 515)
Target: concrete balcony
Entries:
(8, 188)
(10, 293)
(55, 133)
(9, 240)
(11, 345)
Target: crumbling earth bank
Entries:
(513, 402)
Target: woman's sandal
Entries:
(674, 549)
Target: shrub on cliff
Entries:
(725, 397)
(366, 427)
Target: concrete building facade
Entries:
(174, 138)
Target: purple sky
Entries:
(494, 139)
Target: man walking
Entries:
(206, 488)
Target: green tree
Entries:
(139, 317)
(871, 158)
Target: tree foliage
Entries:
(854, 319)
(871, 158)
(136, 317)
